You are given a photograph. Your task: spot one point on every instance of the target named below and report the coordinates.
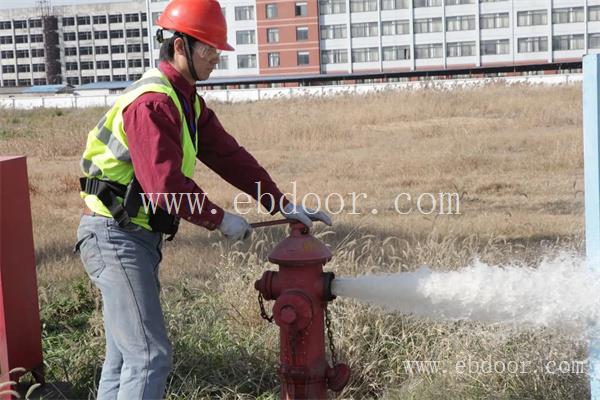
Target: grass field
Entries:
(514, 155)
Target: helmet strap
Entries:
(188, 55)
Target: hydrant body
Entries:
(301, 291)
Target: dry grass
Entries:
(514, 155)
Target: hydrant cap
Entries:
(300, 248)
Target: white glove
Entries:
(234, 227)
(305, 215)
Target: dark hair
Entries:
(167, 47)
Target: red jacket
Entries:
(153, 130)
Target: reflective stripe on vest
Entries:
(107, 156)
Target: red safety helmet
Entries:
(200, 19)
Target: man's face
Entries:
(205, 59)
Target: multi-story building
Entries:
(74, 44)
(115, 41)
(279, 37)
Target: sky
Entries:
(4, 4)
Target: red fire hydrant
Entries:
(301, 291)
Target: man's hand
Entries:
(234, 227)
(305, 215)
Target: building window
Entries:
(119, 78)
(594, 40)
(145, 17)
(5, 25)
(363, 5)
(23, 68)
(24, 82)
(132, 17)
(36, 38)
(395, 53)
(568, 42)
(427, 3)
(593, 14)
(460, 23)
(494, 21)
(35, 23)
(85, 20)
(37, 52)
(273, 60)
(118, 63)
(460, 49)
(135, 63)
(116, 34)
(87, 79)
(398, 27)
(102, 64)
(337, 56)
(10, 83)
(271, 11)
(495, 47)
(101, 49)
(532, 44)
(117, 48)
(364, 29)
(85, 51)
(532, 17)
(21, 39)
(22, 53)
(100, 35)
(134, 48)
(394, 4)
(87, 65)
(459, 2)
(69, 36)
(333, 31)
(332, 7)
(301, 9)
(84, 35)
(68, 21)
(39, 81)
(272, 35)
(115, 18)
(245, 37)
(567, 15)
(7, 54)
(8, 69)
(39, 67)
(246, 60)
(73, 81)
(427, 25)
(70, 51)
(21, 24)
(431, 50)
(99, 19)
(303, 58)
(131, 33)
(103, 78)
(223, 62)
(71, 66)
(368, 54)
(301, 33)
(244, 13)
(6, 39)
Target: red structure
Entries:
(20, 331)
(301, 291)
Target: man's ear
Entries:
(178, 46)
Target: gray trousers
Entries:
(123, 263)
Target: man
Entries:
(148, 142)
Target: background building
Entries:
(274, 39)
(73, 44)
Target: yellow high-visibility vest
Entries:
(106, 156)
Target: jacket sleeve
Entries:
(153, 130)
(218, 150)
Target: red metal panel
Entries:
(20, 330)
